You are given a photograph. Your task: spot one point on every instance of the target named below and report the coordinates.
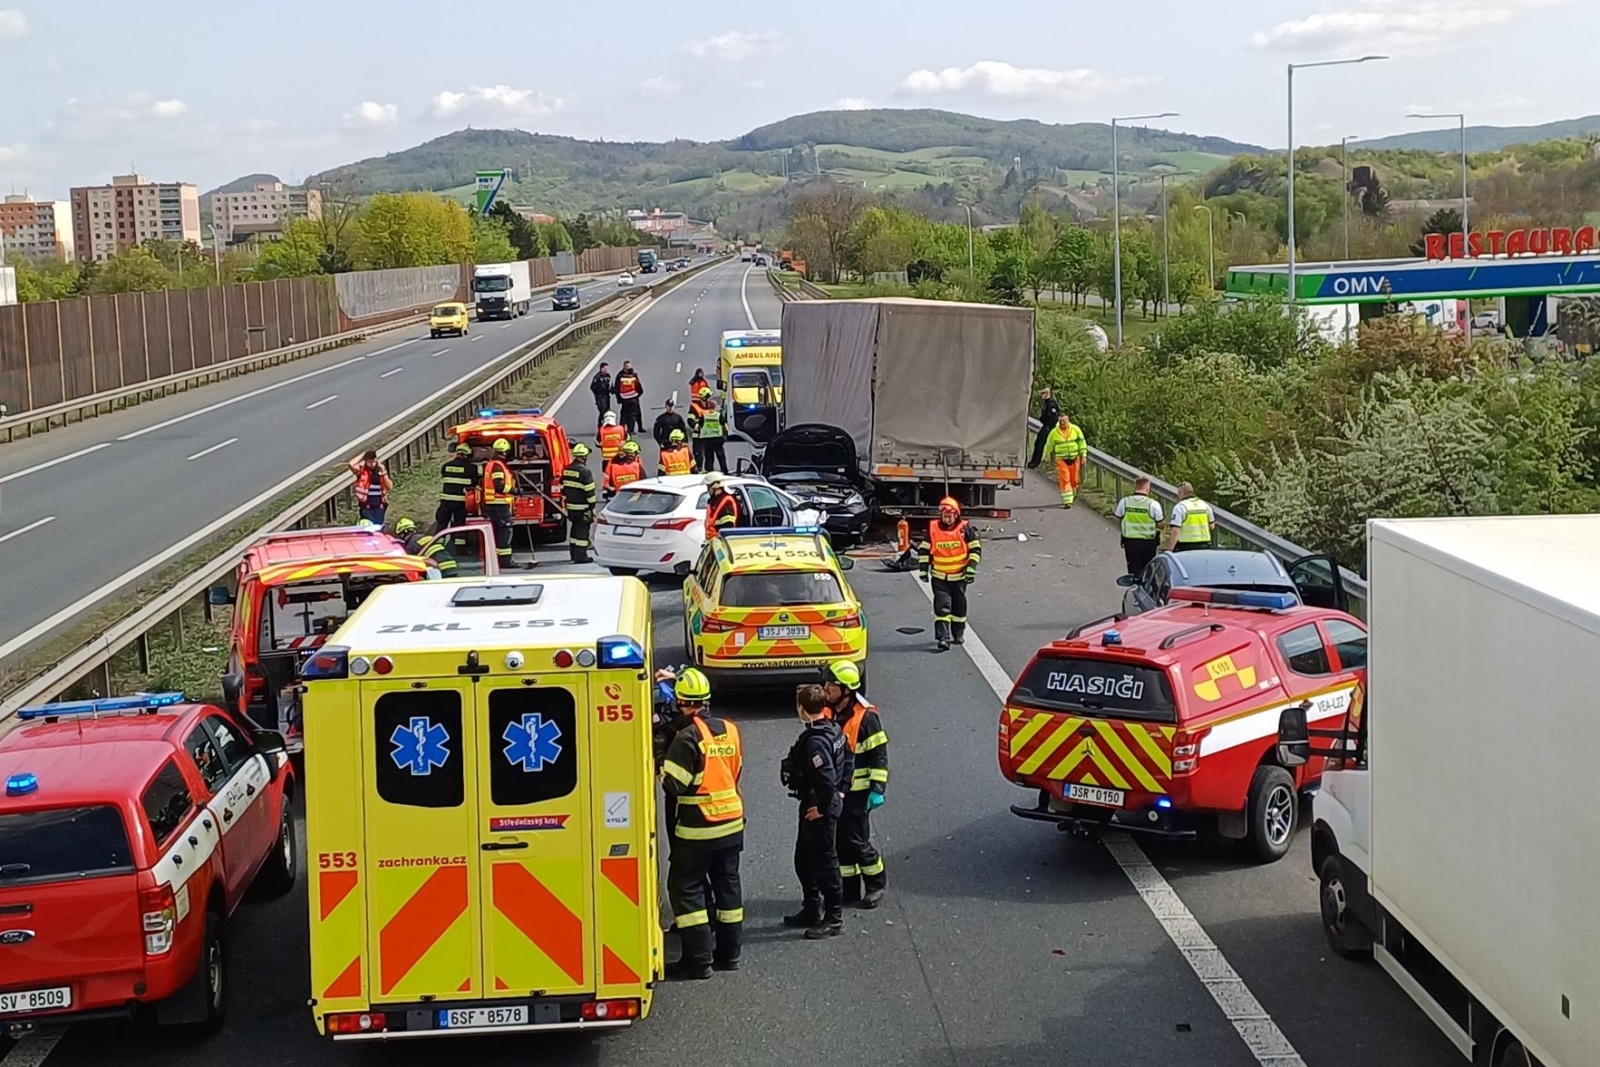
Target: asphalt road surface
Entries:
(90, 503)
(1001, 941)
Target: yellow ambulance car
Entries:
(480, 810)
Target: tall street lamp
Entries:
(969, 237)
(1344, 174)
(1116, 207)
(1211, 241)
(1292, 67)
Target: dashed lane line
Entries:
(208, 451)
(391, 373)
(315, 404)
(31, 526)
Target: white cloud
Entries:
(738, 46)
(14, 155)
(992, 77)
(853, 103)
(372, 113)
(501, 99)
(659, 86)
(1396, 27)
(168, 109)
(13, 23)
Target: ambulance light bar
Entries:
(619, 651)
(102, 706)
(769, 531)
(330, 661)
(1230, 598)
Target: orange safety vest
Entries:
(948, 549)
(611, 438)
(493, 493)
(852, 722)
(695, 385)
(622, 471)
(369, 482)
(717, 796)
(677, 460)
(724, 511)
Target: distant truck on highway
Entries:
(1455, 833)
(933, 393)
(647, 261)
(502, 290)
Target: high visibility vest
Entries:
(457, 475)
(498, 484)
(1137, 522)
(710, 420)
(695, 385)
(621, 472)
(369, 485)
(714, 808)
(627, 387)
(611, 438)
(677, 460)
(723, 513)
(948, 549)
(1196, 528)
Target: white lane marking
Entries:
(441, 352)
(32, 1050)
(325, 400)
(390, 373)
(477, 337)
(508, 326)
(47, 464)
(677, 368)
(674, 398)
(208, 409)
(686, 333)
(77, 607)
(744, 295)
(1266, 1042)
(213, 448)
(689, 320)
(31, 526)
(681, 347)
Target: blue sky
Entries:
(210, 92)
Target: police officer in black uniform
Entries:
(816, 772)
(578, 494)
(458, 474)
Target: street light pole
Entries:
(1211, 241)
(1292, 67)
(1344, 172)
(1166, 256)
(1461, 119)
(970, 268)
(1116, 209)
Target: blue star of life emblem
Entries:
(419, 746)
(532, 743)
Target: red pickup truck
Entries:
(131, 829)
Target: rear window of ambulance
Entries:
(1097, 688)
(62, 844)
(780, 589)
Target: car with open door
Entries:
(816, 464)
(1313, 580)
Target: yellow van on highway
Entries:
(480, 810)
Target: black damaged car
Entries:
(817, 465)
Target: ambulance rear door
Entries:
(534, 836)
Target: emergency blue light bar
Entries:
(20, 785)
(1231, 598)
(329, 661)
(619, 651)
(490, 413)
(102, 705)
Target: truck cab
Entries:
(647, 261)
(502, 290)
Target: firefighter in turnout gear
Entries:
(432, 549)
(458, 474)
(499, 492)
(610, 437)
(626, 469)
(860, 864)
(675, 456)
(816, 772)
(722, 511)
(949, 556)
(700, 774)
(705, 420)
(578, 495)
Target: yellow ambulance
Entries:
(750, 378)
(480, 810)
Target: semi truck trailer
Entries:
(502, 290)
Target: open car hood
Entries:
(814, 447)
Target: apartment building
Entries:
(107, 219)
(38, 229)
(269, 206)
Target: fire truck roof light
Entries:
(1111, 637)
(102, 705)
(20, 785)
(1230, 598)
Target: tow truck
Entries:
(540, 451)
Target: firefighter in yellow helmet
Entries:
(949, 555)
(700, 774)
(705, 422)
(860, 863)
(499, 494)
(578, 494)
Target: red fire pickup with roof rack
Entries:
(1166, 722)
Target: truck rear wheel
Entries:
(1346, 936)
(1512, 1054)
(1273, 811)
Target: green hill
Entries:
(1486, 138)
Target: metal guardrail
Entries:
(403, 452)
(1232, 531)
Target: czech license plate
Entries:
(1093, 794)
(630, 531)
(36, 1000)
(778, 633)
(483, 1018)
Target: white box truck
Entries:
(1455, 837)
(502, 290)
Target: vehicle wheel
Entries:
(1273, 810)
(623, 572)
(209, 981)
(1345, 934)
(278, 873)
(1512, 1054)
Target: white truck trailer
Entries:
(502, 290)
(1456, 838)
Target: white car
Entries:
(658, 525)
(624, 279)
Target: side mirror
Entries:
(1294, 736)
(1127, 581)
(846, 563)
(233, 692)
(270, 744)
(219, 596)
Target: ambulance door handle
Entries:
(502, 846)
